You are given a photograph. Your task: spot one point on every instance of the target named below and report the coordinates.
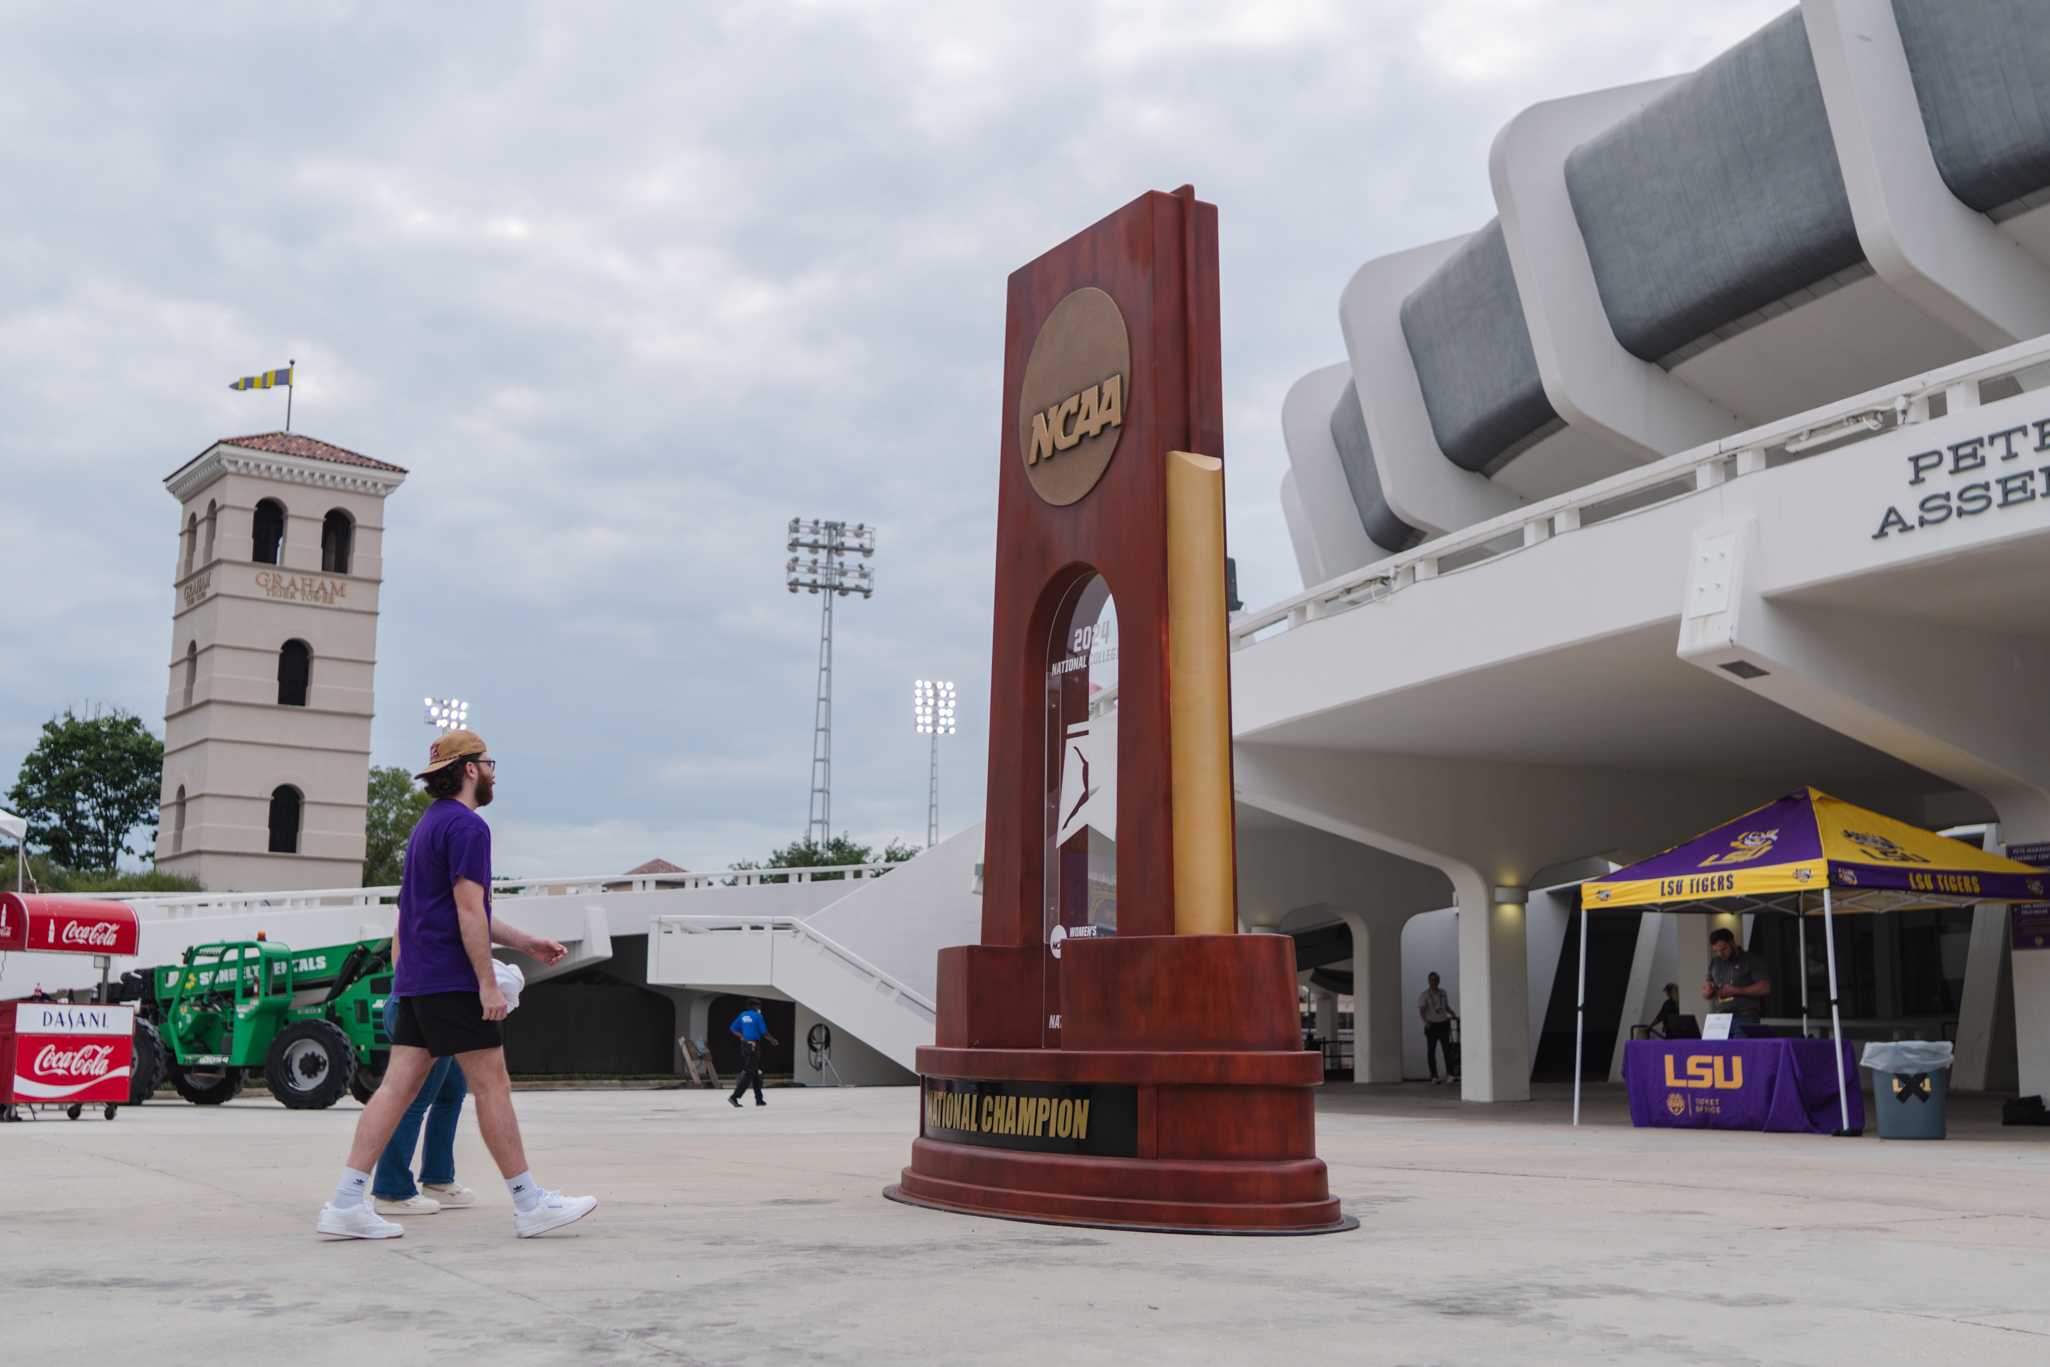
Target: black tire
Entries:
(73, 1111)
(310, 1065)
(207, 1088)
(363, 1084)
(151, 1062)
(110, 1110)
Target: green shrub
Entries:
(56, 878)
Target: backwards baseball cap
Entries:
(449, 747)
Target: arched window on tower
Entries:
(191, 542)
(178, 823)
(213, 511)
(191, 670)
(285, 801)
(295, 671)
(337, 541)
(269, 548)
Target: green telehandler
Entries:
(310, 1021)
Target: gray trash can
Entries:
(1910, 1087)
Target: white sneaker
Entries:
(552, 1212)
(415, 1204)
(357, 1222)
(454, 1196)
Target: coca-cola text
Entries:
(85, 1061)
(97, 934)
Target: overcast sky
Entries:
(626, 287)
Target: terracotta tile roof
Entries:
(657, 866)
(306, 448)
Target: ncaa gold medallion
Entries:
(1071, 403)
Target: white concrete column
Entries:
(1645, 988)
(2031, 976)
(1690, 953)
(1985, 1027)
(1377, 998)
(1493, 1005)
(1326, 1005)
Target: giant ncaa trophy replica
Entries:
(1113, 1052)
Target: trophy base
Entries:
(897, 1193)
(1116, 1128)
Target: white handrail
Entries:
(512, 886)
(1890, 407)
(704, 925)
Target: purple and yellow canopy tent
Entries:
(1778, 857)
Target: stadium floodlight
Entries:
(933, 707)
(447, 714)
(933, 713)
(819, 550)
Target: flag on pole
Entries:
(269, 379)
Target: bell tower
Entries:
(273, 652)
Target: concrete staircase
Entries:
(865, 963)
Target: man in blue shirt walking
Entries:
(750, 1029)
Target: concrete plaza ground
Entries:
(177, 1235)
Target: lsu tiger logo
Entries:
(1745, 848)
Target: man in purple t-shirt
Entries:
(450, 1003)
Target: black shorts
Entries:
(445, 1023)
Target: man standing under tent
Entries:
(450, 1001)
(1737, 982)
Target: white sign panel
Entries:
(59, 1018)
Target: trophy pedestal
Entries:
(1178, 1098)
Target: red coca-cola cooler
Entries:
(66, 1054)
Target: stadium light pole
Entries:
(447, 714)
(933, 711)
(822, 569)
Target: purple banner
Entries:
(1999, 887)
(2028, 924)
(1782, 1085)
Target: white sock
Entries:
(349, 1191)
(526, 1192)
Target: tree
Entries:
(89, 785)
(840, 850)
(396, 805)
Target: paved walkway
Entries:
(1496, 1235)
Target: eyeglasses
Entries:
(481, 760)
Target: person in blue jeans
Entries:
(440, 1105)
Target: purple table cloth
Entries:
(1783, 1085)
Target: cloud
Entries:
(626, 287)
